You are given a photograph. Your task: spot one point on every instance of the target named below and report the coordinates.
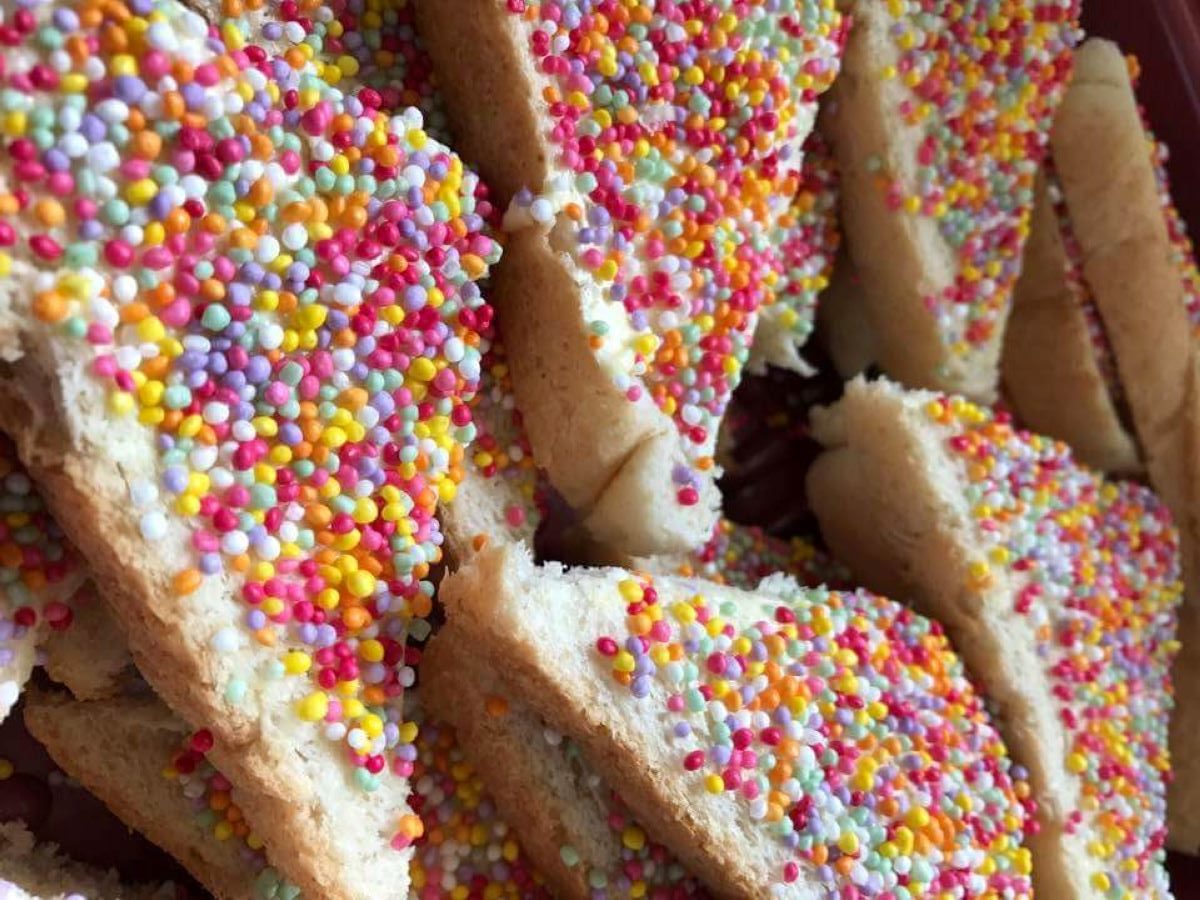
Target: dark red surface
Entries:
(1165, 35)
(763, 486)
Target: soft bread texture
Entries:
(893, 508)
(611, 459)
(91, 657)
(118, 750)
(900, 259)
(538, 627)
(522, 759)
(291, 780)
(29, 871)
(1051, 372)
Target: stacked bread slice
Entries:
(939, 137)
(1058, 588)
(759, 735)
(646, 181)
(243, 387)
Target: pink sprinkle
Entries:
(45, 246)
(207, 75)
(176, 314)
(61, 183)
(118, 253)
(99, 334)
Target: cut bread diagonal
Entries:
(938, 172)
(717, 713)
(32, 871)
(1058, 588)
(119, 749)
(244, 388)
(644, 193)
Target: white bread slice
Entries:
(1058, 369)
(120, 749)
(576, 830)
(165, 788)
(550, 634)
(32, 871)
(339, 839)
(1141, 269)
(909, 262)
(1061, 601)
(614, 453)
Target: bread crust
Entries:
(1051, 373)
(591, 439)
(891, 512)
(594, 444)
(1108, 181)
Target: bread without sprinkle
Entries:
(609, 457)
(91, 657)
(843, 323)
(893, 508)
(118, 750)
(1050, 369)
(331, 838)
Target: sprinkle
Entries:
(981, 81)
(680, 129)
(844, 725)
(263, 242)
(1102, 562)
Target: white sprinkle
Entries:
(541, 211)
(143, 493)
(216, 413)
(295, 236)
(154, 526)
(270, 336)
(226, 640)
(234, 543)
